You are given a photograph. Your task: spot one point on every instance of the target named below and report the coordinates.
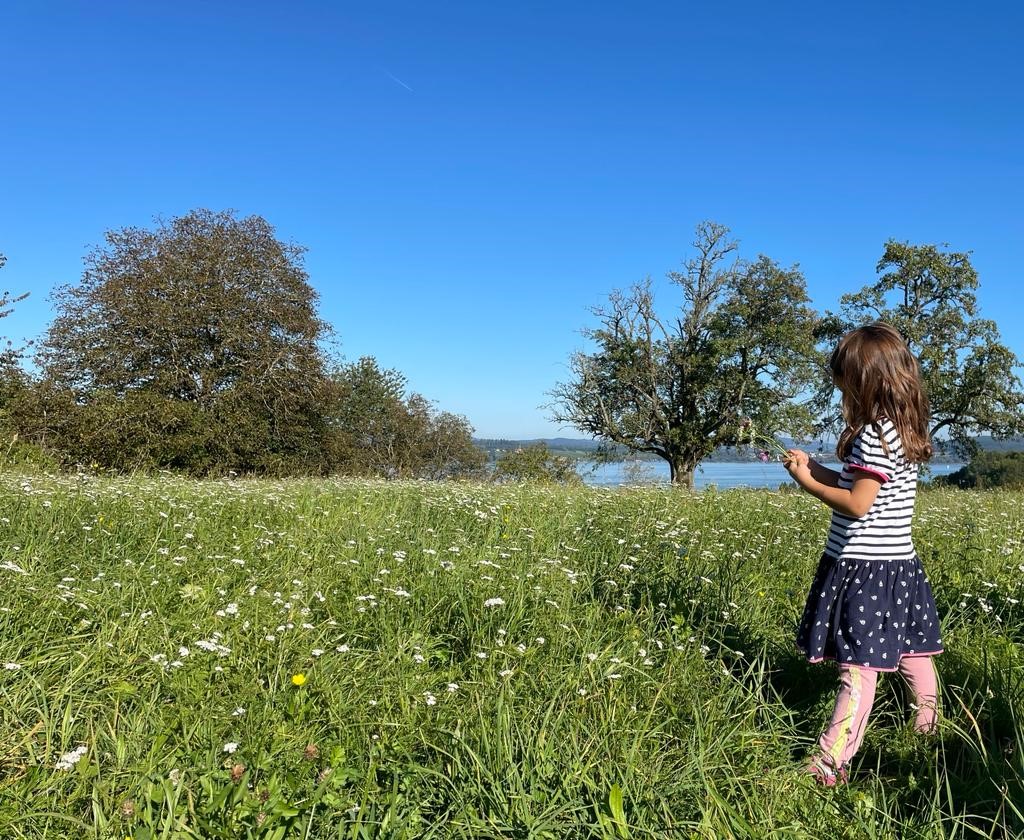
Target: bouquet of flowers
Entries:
(768, 448)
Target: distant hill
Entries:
(584, 448)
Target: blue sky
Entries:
(471, 178)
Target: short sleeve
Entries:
(869, 454)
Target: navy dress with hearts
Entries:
(870, 603)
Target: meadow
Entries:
(347, 659)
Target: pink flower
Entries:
(763, 457)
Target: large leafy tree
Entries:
(738, 353)
(927, 292)
(194, 344)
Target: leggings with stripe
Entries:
(843, 737)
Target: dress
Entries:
(870, 603)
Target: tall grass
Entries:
(476, 661)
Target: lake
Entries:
(722, 474)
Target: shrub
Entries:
(536, 463)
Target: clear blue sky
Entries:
(470, 178)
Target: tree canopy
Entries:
(378, 430)
(741, 347)
(927, 292)
(191, 345)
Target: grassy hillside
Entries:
(356, 659)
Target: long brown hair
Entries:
(879, 377)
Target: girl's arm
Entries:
(823, 474)
(854, 502)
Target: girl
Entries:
(870, 606)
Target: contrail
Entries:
(399, 81)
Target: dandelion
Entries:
(298, 679)
(494, 602)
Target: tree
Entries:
(447, 449)
(741, 347)
(12, 377)
(377, 430)
(927, 292)
(192, 345)
(535, 463)
(8, 355)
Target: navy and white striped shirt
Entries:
(883, 533)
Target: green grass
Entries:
(639, 679)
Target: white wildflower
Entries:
(70, 759)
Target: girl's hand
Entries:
(797, 461)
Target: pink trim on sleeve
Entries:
(872, 470)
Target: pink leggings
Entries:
(843, 737)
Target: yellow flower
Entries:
(298, 679)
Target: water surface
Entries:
(721, 474)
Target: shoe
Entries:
(825, 773)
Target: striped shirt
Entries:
(883, 533)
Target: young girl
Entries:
(870, 606)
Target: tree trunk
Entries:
(680, 473)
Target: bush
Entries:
(536, 463)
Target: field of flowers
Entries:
(319, 659)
